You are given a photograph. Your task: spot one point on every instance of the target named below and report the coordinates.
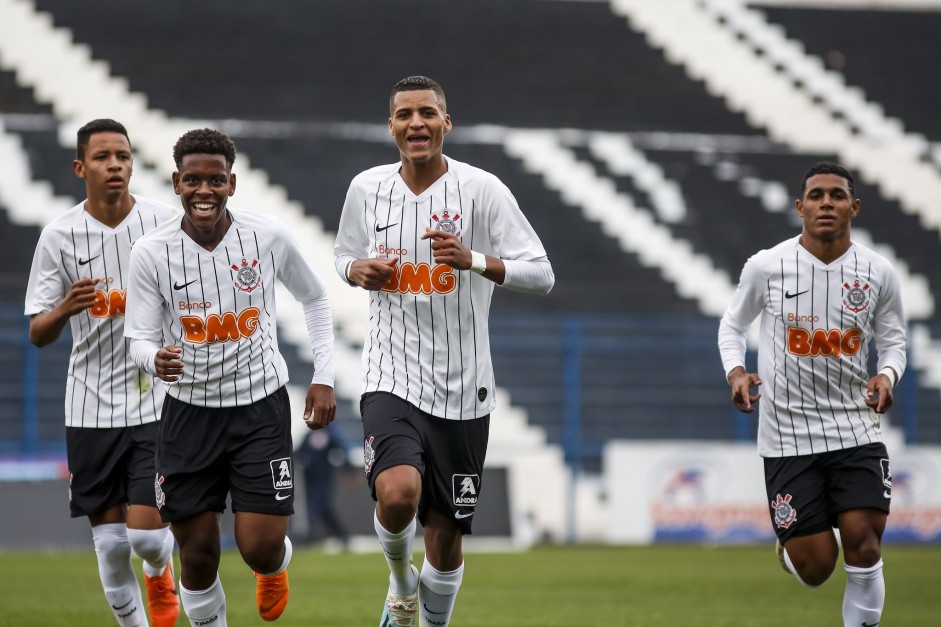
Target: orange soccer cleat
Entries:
(163, 599)
(271, 595)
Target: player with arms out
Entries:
(79, 277)
(822, 299)
(429, 236)
(201, 316)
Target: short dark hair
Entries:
(825, 167)
(416, 83)
(204, 141)
(101, 125)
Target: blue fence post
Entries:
(571, 416)
(30, 441)
(909, 394)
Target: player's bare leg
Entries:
(443, 570)
(201, 590)
(861, 533)
(262, 540)
(812, 558)
(151, 540)
(398, 491)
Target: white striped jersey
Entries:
(428, 336)
(219, 306)
(104, 388)
(817, 321)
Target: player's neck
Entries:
(108, 210)
(420, 176)
(826, 251)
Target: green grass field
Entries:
(545, 587)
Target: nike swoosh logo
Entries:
(380, 229)
(887, 495)
(789, 295)
(278, 496)
(431, 611)
(460, 515)
(865, 624)
(264, 609)
(177, 286)
(122, 606)
(83, 262)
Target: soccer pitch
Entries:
(545, 587)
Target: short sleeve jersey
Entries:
(427, 337)
(104, 388)
(817, 323)
(219, 306)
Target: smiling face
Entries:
(827, 207)
(418, 121)
(106, 165)
(204, 183)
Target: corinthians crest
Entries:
(856, 298)
(446, 222)
(784, 512)
(247, 276)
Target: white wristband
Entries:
(478, 262)
(891, 374)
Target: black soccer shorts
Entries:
(807, 492)
(206, 453)
(108, 467)
(449, 454)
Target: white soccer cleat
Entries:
(400, 609)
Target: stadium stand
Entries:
(674, 176)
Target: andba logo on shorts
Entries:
(465, 489)
(823, 343)
(281, 474)
(421, 278)
(229, 327)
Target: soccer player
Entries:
(822, 299)
(429, 236)
(79, 277)
(201, 316)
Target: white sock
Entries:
(205, 608)
(154, 546)
(437, 592)
(398, 550)
(864, 596)
(117, 576)
(288, 552)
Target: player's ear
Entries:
(391, 132)
(176, 182)
(447, 122)
(232, 184)
(854, 208)
(799, 206)
(79, 168)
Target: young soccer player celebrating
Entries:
(201, 316)
(429, 236)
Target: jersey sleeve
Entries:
(747, 302)
(45, 288)
(144, 304)
(293, 268)
(352, 242)
(889, 328)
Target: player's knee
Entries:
(263, 555)
(111, 546)
(399, 500)
(815, 573)
(153, 545)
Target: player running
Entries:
(822, 299)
